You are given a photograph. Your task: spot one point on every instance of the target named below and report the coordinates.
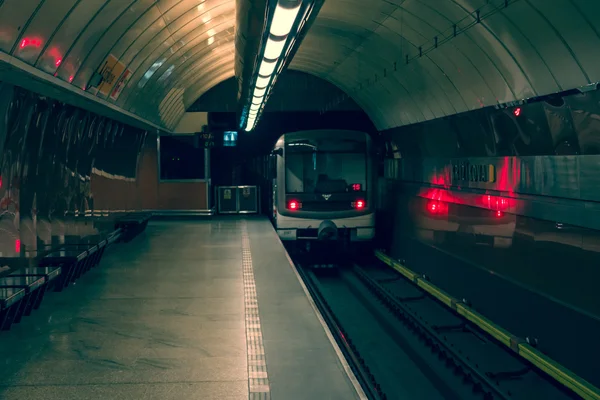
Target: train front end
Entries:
(324, 187)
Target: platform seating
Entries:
(19, 296)
(74, 260)
(132, 225)
(24, 287)
(22, 292)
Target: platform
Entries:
(189, 310)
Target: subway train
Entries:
(323, 188)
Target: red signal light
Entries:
(499, 214)
(517, 111)
(17, 246)
(294, 205)
(359, 204)
(356, 187)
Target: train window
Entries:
(181, 158)
(332, 170)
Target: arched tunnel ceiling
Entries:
(176, 50)
(529, 48)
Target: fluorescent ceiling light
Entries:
(257, 100)
(274, 48)
(283, 20)
(258, 92)
(254, 107)
(262, 81)
(266, 67)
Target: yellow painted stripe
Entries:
(437, 293)
(558, 372)
(396, 265)
(543, 362)
(404, 271)
(485, 324)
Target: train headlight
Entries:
(294, 205)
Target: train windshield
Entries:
(334, 166)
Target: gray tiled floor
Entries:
(163, 318)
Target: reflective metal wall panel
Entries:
(406, 62)
(402, 62)
(119, 49)
(483, 256)
(62, 170)
(542, 158)
(514, 192)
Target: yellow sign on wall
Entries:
(110, 70)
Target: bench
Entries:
(22, 287)
(132, 225)
(74, 260)
(22, 292)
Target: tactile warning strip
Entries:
(258, 379)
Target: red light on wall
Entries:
(499, 214)
(26, 42)
(58, 61)
(17, 246)
(356, 187)
(294, 205)
(517, 111)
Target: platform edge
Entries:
(347, 369)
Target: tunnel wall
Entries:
(60, 165)
(512, 192)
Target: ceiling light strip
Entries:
(274, 54)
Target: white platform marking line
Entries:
(258, 379)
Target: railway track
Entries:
(402, 343)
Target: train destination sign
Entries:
(467, 172)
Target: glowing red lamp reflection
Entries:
(356, 187)
(17, 246)
(26, 42)
(437, 207)
(517, 111)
